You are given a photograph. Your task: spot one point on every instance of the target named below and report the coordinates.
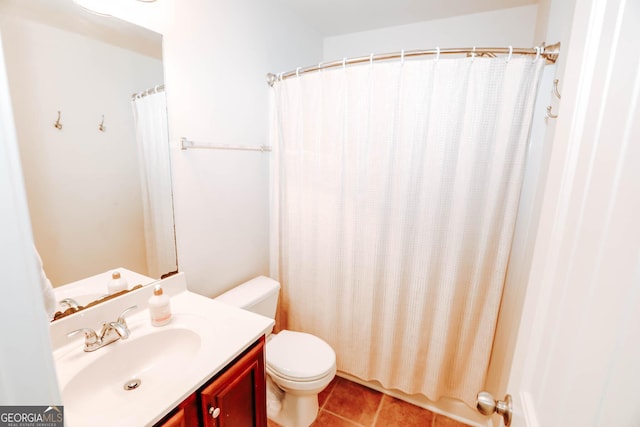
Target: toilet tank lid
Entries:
(250, 293)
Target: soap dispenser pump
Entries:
(159, 307)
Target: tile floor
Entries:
(347, 404)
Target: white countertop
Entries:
(225, 333)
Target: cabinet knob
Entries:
(214, 412)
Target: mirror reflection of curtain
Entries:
(150, 115)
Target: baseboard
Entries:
(451, 408)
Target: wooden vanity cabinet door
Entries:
(237, 397)
(185, 415)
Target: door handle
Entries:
(487, 405)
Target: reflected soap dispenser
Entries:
(159, 307)
(117, 283)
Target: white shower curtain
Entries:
(397, 186)
(150, 115)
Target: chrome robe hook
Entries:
(557, 95)
(57, 124)
(555, 89)
(102, 127)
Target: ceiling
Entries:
(328, 17)
(69, 16)
(334, 17)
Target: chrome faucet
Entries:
(110, 332)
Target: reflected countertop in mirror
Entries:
(77, 295)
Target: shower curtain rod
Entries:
(550, 53)
(156, 89)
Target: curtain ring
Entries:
(437, 53)
(344, 63)
(510, 53)
(538, 52)
(473, 53)
(298, 72)
(402, 57)
(371, 59)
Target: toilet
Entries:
(298, 365)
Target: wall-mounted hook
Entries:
(57, 124)
(102, 127)
(557, 95)
(555, 89)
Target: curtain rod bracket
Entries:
(271, 79)
(551, 52)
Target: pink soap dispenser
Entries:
(159, 307)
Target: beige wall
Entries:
(502, 27)
(217, 55)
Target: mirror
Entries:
(72, 74)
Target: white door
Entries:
(578, 350)
(27, 375)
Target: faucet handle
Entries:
(119, 328)
(90, 336)
(121, 318)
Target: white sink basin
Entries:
(134, 373)
(162, 365)
(132, 367)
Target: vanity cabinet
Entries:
(185, 415)
(235, 397)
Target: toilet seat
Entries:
(298, 356)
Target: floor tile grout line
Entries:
(375, 417)
(329, 395)
(343, 418)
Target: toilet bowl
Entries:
(298, 365)
(301, 365)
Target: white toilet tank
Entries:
(259, 295)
